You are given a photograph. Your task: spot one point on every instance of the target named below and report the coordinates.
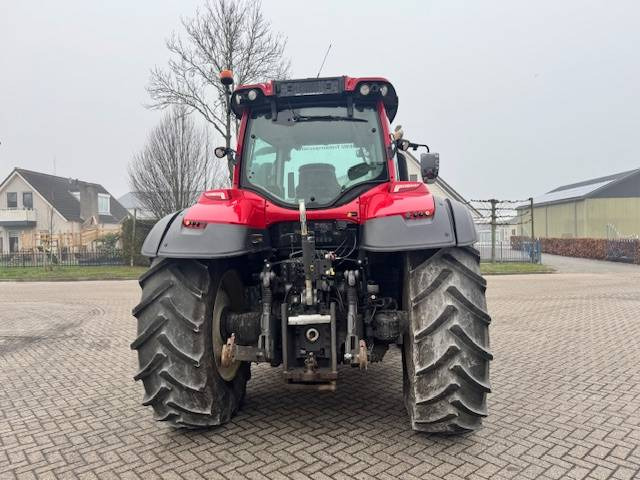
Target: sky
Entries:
(518, 97)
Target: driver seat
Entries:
(317, 181)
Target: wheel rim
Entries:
(229, 295)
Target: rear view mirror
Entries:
(222, 152)
(429, 166)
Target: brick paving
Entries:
(566, 401)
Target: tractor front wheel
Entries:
(446, 347)
(179, 342)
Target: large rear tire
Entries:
(446, 347)
(176, 343)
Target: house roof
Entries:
(57, 191)
(130, 200)
(596, 187)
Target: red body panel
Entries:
(245, 207)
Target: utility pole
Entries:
(493, 229)
(532, 230)
(133, 234)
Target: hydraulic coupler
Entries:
(354, 350)
(265, 340)
(308, 255)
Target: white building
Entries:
(39, 211)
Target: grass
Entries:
(40, 274)
(513, 268)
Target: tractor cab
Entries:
(323, 141)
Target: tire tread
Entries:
(177, 367)
(446, 354)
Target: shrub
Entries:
(143, 227)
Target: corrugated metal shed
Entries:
(588, 209)
(589, 188)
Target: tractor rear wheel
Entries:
(178, 342)
(446, 347)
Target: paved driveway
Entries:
(566, 401)
(586, 265)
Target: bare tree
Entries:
(174, 166)
(224, 34)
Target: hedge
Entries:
(596, 248)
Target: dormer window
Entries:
(104, 204)
(76, 194)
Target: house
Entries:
(588, 209)
(134, 206)
(40, 211)
(505, 229)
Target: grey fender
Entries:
(450, 226)
(465, 229)
(152, 242)
(170, 238)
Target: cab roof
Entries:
(312, 91)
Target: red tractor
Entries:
(321, 254)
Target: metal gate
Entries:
(621, 248)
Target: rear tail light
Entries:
(418, 214)
(193, 223)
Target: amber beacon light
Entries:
(226, 77)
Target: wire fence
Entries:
(506, 233)
(63, 259)
(525, 252)
(497, 222)
(626, 250)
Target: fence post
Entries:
(493, 229)
(532, 230)
(533, 235)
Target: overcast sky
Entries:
(518, 97)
